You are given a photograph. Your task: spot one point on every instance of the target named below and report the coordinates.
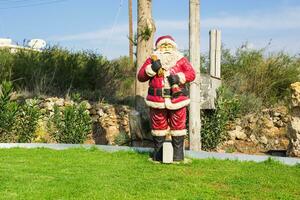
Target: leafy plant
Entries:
(59, 72)
(8, 112)
(146, 33)
(122, 138)
(263, 77)
(6, 59)
(214, 121)
(70, 125)
(18, 121)
(27, 121)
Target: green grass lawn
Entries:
(94, 174)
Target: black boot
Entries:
(177, 142)
(158, 144)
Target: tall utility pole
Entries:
(145, 32)
(194, 51)
(130, 33)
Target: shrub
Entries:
(56, 71)
(27, 121)
(214, 121)
(6, 60)
(8, 112)
(122, 139)
(264, 78)
(18, 121)
(70, 125)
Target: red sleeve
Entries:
(188, 70)
(142, 75)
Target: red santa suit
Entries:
(167, 113)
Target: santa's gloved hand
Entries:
(156, 65)
(173, 79)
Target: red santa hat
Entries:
(165, 39)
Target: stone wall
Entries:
(294, 125)
(259, 132)
(109, 121)
(270, 129)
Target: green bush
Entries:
(59, 72)
(18, 121)
(122, 139)
(27, 121)
(264, 78)
(8, 113)
(214, 121)
(6, 59)
(71, 124)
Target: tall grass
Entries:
(266, 77)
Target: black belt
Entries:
(159, 92)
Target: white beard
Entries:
(168, 60)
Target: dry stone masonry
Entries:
(258, 132)
(294, 125)
(270, 129)
(109, 121)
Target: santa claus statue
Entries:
(167, 71)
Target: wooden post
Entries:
(212, 52)
(145, 24)
(218, 53)
(130, 33)
(145, 32)
(215, 53)
(215, 64)
(194, 51)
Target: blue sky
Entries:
(102, 25)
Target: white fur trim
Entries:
(181, 77)
(158, 105)
(178, 132)
(149, 71)
(160, 132)
(166, 40)
(167, 104)
(176, 106)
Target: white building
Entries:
(34, 44)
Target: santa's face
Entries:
(168, 55)
(166, 48)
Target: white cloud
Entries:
(286, 18)
(252, 27)
(119, 32)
